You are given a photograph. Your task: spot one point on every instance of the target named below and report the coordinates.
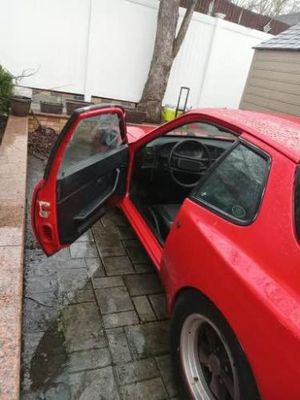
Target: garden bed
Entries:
(41, 141)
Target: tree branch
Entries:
(26, 73)
(269, 8)
(184, 27)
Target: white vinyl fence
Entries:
(104, 48)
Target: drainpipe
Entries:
(86, 91)
(208, 59)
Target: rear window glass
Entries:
(234, 188)
(297, 202)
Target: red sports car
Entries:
(214, 196)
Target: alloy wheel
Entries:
(207, 361)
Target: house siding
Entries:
(273, 82)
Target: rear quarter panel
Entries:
(251, 273)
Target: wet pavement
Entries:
(94, 318)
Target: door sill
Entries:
(144, 233)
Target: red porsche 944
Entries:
(214, 197)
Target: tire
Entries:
(207, 354)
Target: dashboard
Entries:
(155, 155)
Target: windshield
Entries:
(202, 129)
(297, 202)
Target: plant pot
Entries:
(72, 105)
(51, 108)
(20, 105)
(135, 116)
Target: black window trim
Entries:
(216, 210)
(295, 205)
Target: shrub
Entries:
(6, 90)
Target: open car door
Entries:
(86, 170)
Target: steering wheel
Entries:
(186, 159)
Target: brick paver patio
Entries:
(95, 323)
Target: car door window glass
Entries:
(94, 138)
(297, 202)
(235, 186)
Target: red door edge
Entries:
(143, 232)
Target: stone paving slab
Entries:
(148, 340)
(125, 318)
(165, 368)
(83, 250)
(88, 360)
(152, 389)
(107, 282)
(84, 319)
(136, 371)
(143, 284)
(158, 302)
(118, 345)
(95, 323)
(112, 300)
(93, 385)
(143, 308)
(119, 265)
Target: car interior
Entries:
(167, 169)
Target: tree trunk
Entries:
(166, 48)
(162, 59)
